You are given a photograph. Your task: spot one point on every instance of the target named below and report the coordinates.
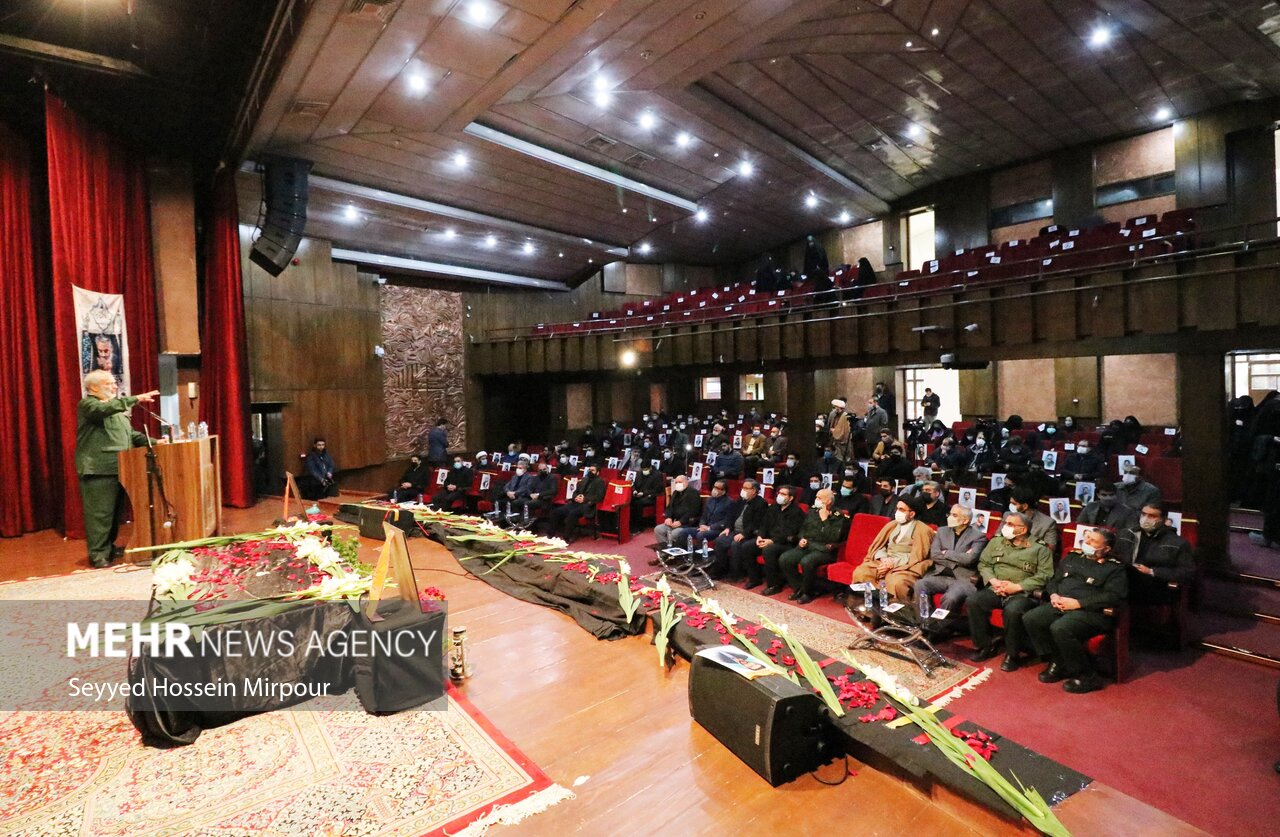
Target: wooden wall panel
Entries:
(1056, 313)
(978, 392)
(977, 309)
(1014, 318)
(572, 354)
(817, 338)
(1256, 299)
(1150, 307)
(874, 330)
(905, 318)
(746, 344)
(682, 338)
(771, 339)
(554, 353)
(1101, 309)
(1076, 381)
(703, 348)
(1209, 302)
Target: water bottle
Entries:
(923, 599)
(689, 546)
(191, 430)
(203, 429)
(867, 599)
(884, 595)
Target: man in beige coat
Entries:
(899, 555)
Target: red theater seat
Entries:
(862, 531)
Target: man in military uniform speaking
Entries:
(1085, 583)
(102, 431)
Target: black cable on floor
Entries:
(846, 775)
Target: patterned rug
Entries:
(833, 637)
(341, 772)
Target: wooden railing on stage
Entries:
(187, 494)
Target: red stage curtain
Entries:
(224, 366)
(28, 480)
(100, 232)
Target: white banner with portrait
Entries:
(101, 335)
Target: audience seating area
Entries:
(1055, 251)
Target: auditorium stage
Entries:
(600, 718)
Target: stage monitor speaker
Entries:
(371, 523)
(285, 193)
(780, 730)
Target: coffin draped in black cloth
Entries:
(592, 605)
(879, 743)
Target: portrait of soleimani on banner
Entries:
(102, 339)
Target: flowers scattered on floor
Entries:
(430, 598)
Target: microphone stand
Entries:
(155, 483)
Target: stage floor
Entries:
(601, 719)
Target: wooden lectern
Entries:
(187, 493)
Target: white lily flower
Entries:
(623, 567)
(664, 587)
(171, 577)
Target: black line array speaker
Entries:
(371, 523)
(780, 730)
(285, 193)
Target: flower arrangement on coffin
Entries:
(227, 578)
(959, 751)
(430, 599)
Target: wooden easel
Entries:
(394, 557)
(291, 491)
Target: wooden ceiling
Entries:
(856, 104)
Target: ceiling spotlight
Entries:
(1163, 114)
(527, 249)
(914, 131)
(560, 255)
(934, 32)
(1100, 36)
(450, 233)
(624, 210)
(600, 83)
(418, 83)
(715, 154)
(745, 168)
(490, 241)
(811, 200)
(648, 120)
(683, 139)
(645, 249)
(460, 160)
(628, 358)
(700, 216)
(478, 11)
(351, 213)
(845, 217)
(602, 98)
(910, 44)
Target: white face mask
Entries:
(1149, 525)
(1129, 479)
(818, 504)
(677, 487)
(520, 470)
(900, 517)
(1088, 550)
(746, 497)
(1008, 533)
(953, 521)
(782, 501)
(1083, 449)
(1013, 507)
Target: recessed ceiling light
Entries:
(624, 210)
(1163, 114)
(648, 120)
(460, 159)
(915, 131)
(490, 241)
(910, 44)
(418, 83)
(811, 200)
(478, 11)
(351, 213)
(645, 249)
(683, 139)
(700, 215)
(845, 217)
(745, 168)
(450, 233)
(601, 83)
(1100, 36)
(527, 249)
(560, 255)
(602, 98)
(591, 261)
(934, 31)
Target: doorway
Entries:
(945, 383)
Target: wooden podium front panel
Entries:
(192, 482)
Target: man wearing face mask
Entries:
(563, 467)
(729, 464)
(949, 457)
(828, 463)
(682, 512)
(716, 439)
(456, 483)
(883, 502)
(645, 490)
(1083, 464)
(1015, 453)
(933, 511)
(896, 467)
(1012, 567)
(676, 437)
(820, 538)
(790, 473)
(753, 448)
(849, 499)
(1085, 583)
(983, 456)
(1042, 527)
(955, 551)
(811, 493)
(780, 532)
(512, 456)
(515, 495)
(741, 537)
(1107, 510)
(1155, 555)
(587, 495)
(542, 492)
(840, 426)
(718, 512)
(777, 449)
(412, 481)
(876, 419)
(1134, 491)
(899, 554)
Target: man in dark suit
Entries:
(587, 496)
(456, 483)
(645, 490)
(438, 445)
(955, 552)
(413, 481)
(780, 532)
(742, 534)
(102, 431)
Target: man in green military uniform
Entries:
(820, 537)
(1086, 583)
(1012, 567)
(102, 431)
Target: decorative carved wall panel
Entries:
(422, 370)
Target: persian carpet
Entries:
(331, 772)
